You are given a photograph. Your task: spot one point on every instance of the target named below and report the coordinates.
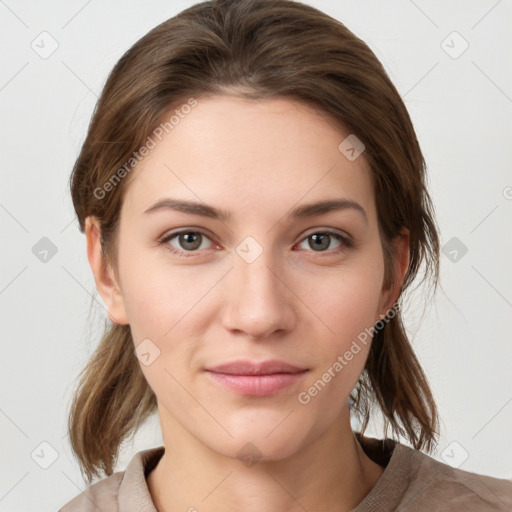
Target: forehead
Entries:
(255, 156)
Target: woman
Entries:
(254, 201)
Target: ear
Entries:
(103, 274)
(401, 264)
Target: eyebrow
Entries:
(306, 210)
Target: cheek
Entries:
(160, 297)
(348, 308)
(345, 302)
(169, 310)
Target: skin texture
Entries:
(295, 302)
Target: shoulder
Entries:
(415, 481)
(102, 495)
(434, 485)
(119, 491)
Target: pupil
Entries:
(319, 241)
(190, 238)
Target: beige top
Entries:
(411, 481)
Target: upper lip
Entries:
(255, 368)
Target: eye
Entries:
(320, 241)
(189, 241)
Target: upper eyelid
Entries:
(331, 231)
(173, 234)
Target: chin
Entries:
(256, 445)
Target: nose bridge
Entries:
(258, 301)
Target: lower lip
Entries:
(257, 385)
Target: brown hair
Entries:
(255, 49)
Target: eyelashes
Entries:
(318, 237)
(175, 234)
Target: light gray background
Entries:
(461, 108)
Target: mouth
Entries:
(257, 378)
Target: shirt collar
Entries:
(134, 493)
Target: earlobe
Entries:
(103, 274)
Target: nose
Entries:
(258, 302)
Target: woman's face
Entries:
(257, 281)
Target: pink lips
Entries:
(257, 379)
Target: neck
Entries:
(332, 473)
